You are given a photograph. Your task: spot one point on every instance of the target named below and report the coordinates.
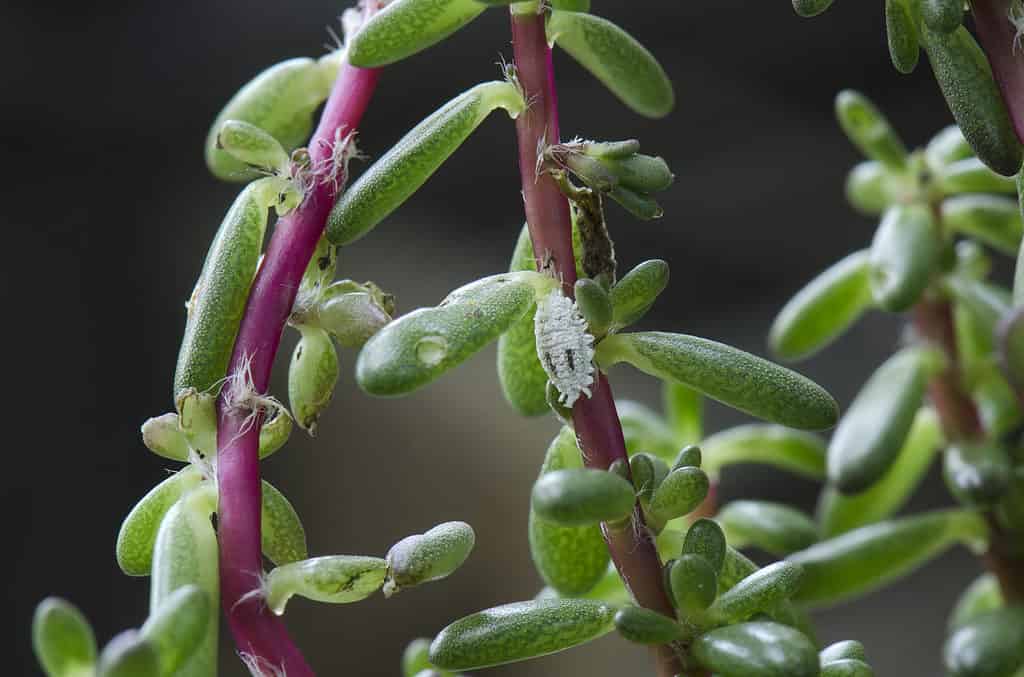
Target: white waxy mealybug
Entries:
(564, 346)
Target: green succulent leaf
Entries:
(759, 649)
(312, 374)
(417, 348)
(992, 219)
(808, 8)
(416, 657)
(989, 645)
(401, 171)
(519, 631)
(772, 527)
(178, 626)
(793, 450)
(430, 556)
(644, 626)
(904, 255)
(760, 591)
(616, 59)
(848, 649)
(336, 579)
(681, 492)
(734, 377)
(981, 596)
(965, 77)
(405, 27)
(839, 513)
(129, 654)
(252, 146)
(868, 557)
(582, 496)
(633, 295)
(869, 130)
(352, 318)
(824, 309)
(63, 639)
(706, 539)
(870, 435)
(693, 583)
(684, 409)
(163, 437)
(648, 472)
(847, 667)
(280, 101)
(573, 559)
(283, 538)
(871, 187)
(594, 305)
(971, 175)
(978, 473)
(274, 432)
(216, 307)
(943, 16)
(947, 146)
(901, 32)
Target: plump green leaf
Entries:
(582, 496)
(870, 435)
(869, 130)
(993, 219)
(519, 631)
(280, 101)
(138, 532)
(904, 255)
(901, 31)
(644, 626)
(337, 579)
(965, 77)
(693, 583)
(760, 591)
(845, 650)
(678, 494)
(415, 349)
(648, 471)
(352, 317)
(793, 450)
(734, 377)
(430, 556)
(405, 27)
(978, 473)
(706, 539)
(63, 639)
(162, 436)
(688, 456)
(572, 560)
(312, 373)
(129, 654)
(847, 667)
(283, 538)
(409, 163)
(990, 645)
(616, 59)
(635, 293)
(252, 146)
(871, 187)
(594, 305)
(759, 649)
(944, 16)
(971, 175)
(772, 527)
(868, 557)
(274, 432)
(838, 512)
(824, 309)
(218, 301)
(981, 596)
(177, 627)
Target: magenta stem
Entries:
(596, 420)
(998, 37)
(258, 632)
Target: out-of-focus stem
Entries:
(547, 214)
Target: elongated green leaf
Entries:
(682, 491)
(792, 450)
(415, 349)
(406, 27)
(874, 428)
(337, 579)
(684, 409)
(948, 146)
(283, 538)
(758, 649)
(965, 77)
(706, 539)
(645, 430)
(312, 373)
(572, 560)
(594, 305)
(734, 377)
(981, 596)
(582, 496)
(635, 293)
(760, 591)
(845, 650)
(178, 626)
(63, 639)
(409, 163)
(824, 309)
(944, 16)
(869, 557)
(993, 219)
(519, 631)
(427, 557)
(616, 59)
(281, 101)
(138, 532)
(971, 175)
(904, 46)
(904, 255)
(838, 512)
(644, 626)
(219, 299)
(992, 644)
(773, 527)
(869, 130)
(252, 146)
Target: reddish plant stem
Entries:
(998, 37)
(547, 214)
(257, 632)
(933, 321)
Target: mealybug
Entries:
(564, 346)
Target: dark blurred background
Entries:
(109, 210)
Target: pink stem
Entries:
(998, 37)
(547, 215)
(258, 632)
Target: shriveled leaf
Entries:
(430, 556)
(336, 579)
